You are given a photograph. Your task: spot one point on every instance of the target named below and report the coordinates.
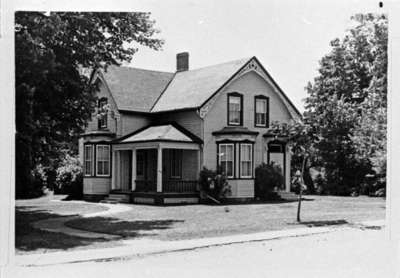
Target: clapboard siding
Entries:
(249, 85)
(113, 116)
(96, 185)
(133, 122)
(187, 119)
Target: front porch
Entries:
(156, 171)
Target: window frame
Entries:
(219, 161)
(266, 99)
(251, 176)
(240, 96)
(91, 146)
(103, 118)
(140, 153)
(175, 160)
(97, 160)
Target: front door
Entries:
(126, 170)
(276, 155)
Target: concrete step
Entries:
(288, 196)
(119, 196)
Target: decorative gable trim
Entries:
(253, 65)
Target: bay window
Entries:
(246, 160)
(226, 159)
(103, 160)
(88, 160)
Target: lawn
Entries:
(182, 222)
(30, 240)
(197, 221)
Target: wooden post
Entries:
(159, 168)
(114, 172)
(301, 188)
(133, 175)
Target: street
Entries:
(347, 252)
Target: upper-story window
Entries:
(102, 113)
(235, 109)
(261, 108)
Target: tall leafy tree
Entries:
(346, 104)
(53, 98)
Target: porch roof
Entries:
(161, 133)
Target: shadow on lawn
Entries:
(323, 223)
(27, 238)
(257, 202)
(125, 229)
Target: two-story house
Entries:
(159, 129)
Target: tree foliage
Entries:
(54, 99)
(346, 105)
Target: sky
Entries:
(288, 37)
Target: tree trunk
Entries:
(301, 188)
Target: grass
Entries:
(183, 222)
(197, 221)
(31, 240)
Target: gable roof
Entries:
(190, 89)
(139, 90)
(163, 132)
(135, 89)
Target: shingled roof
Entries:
(140, 90)
(136, 89)
(190, 89)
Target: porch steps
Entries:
(114, 198)
(287, 196)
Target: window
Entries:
(234, 109)
(261, 111)
(103, 160)
(88, 160)
(246, 160)
(176, 164)
(140, 163)
(226, 159)
(102, 113)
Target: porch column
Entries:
(114, 169)
(133, 169)
(117, 170)
(159, 169)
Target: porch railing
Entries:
(180, 186)
(176, 186)
(146, 186)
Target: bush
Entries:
(268, 178)
(69, 179)
(214, 184)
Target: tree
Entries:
(54, 99)
(301, 138)
(346, 105)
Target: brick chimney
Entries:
(182, 61)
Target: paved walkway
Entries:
(57, 225)
(141, 247)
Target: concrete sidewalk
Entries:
(142, 247)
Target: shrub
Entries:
(214, 184)
(268, 178)
(69, 179)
